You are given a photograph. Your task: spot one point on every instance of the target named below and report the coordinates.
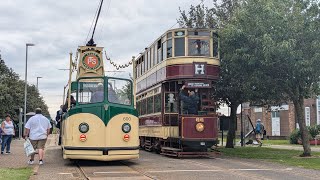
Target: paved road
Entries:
(154, 166)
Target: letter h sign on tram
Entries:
(199, 69)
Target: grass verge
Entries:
(288, 157)
(15, 173)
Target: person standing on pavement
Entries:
(37, 128)
(7, 134)
(259, 131)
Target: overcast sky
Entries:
(125, 28)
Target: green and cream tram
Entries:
(101, 122)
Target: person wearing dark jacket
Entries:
(190, 102)
(72, 103)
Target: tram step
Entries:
(170, 149)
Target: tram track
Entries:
(82, 174)
(139, 171)
(85, 175)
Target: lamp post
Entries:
(38, 81)
(26, 84)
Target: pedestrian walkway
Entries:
(17, 158)
(293, 147)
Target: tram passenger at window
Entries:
(72, 102)
(98, 95)
(190, 102)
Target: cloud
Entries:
(125, 28)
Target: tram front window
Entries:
(91, 92)
(199, 47)
(119, 91)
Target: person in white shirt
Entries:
(38, 129)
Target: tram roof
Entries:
(172, 30)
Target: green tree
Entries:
(281, 40)
(12, 93)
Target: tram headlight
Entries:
(126, 127)
(83, 127)
(199, 127)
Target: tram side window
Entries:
(138, 105)
(179, 45)
(143, 107)
(215, 45)
(155, 55)
(159, 52)
(169, 48)
(119, 91)
(91, 92)
(164, 51)
(157, 103)
(199, 47)
(171, 102)
(150, 105)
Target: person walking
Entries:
(190, 102)
(37, 129)
(259, 131)
(7, 134)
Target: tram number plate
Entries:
(202, 143)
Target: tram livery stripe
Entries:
(100, 148)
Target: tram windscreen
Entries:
(119, 91)
(91, 91)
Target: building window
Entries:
(258, 109)
(179, 47)
(199, 47)
(307, 115)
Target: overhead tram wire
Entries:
(94, 17)
(103, 22)
(91, 41)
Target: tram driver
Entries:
(190, 102)
(98, 95)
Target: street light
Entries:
(38, 81)
(25, 86)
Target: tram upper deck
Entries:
(183, 53)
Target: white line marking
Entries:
(65, 173)
(186, 170)
(115, 172)
(214, 170)
(250, 169)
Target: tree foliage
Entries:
(280, 40)
(12, 94)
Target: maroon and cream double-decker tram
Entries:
(174, 82)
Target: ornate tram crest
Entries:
(91, 61)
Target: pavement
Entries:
(154, 166)
(293, 147)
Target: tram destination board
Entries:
(195, 84)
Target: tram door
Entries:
(275, 118)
